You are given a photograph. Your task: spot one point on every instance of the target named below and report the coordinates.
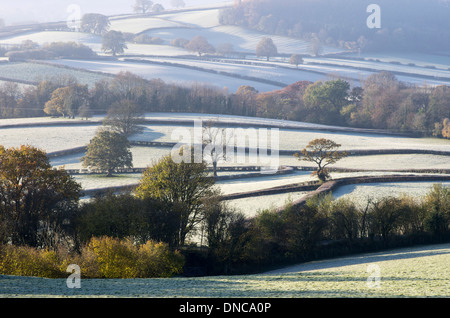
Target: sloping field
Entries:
(138, 25)
(360, 193)
(36, 72)
(44, 37)
(169, 74)
(411, 272)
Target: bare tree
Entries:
(215, 141)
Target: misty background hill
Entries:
(32, 11)
(418, 25)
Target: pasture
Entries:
(413, 272)
(401, 273)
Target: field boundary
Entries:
(315, 187)
(335, 184)
(350, 153)
(223, 122)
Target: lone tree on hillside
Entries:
(266, 48)
(107, 151)
(323, 152)
(114, 43)
(200, 45)
(95, 23)
(143, 6)
(296, 59)
(215, 141)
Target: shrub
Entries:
(103, 257)
(28, 261)
(108, 257)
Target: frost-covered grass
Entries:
(361, 193)
(96, 181)
(169, 74)
(198, 18)
(36, 72)
(49, 139)
(250, 207)
(383, 66)
(410, 58)
(44, 37)
(269, 72)
(409, 272)
(138, 25)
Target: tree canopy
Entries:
(37, 202)
(184, 185)
(114, 43)
(266, 48)
(323, 152)
(200, 45)
(107, 151)
(95, 23)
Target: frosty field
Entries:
(362, 192)
(410, 272)
(169, 74)
(36, 72)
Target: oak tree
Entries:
(143, 6)
(266, 48)
(114, 43)
(323, 152)
(124, 117)
(200, 45)
(107, 151)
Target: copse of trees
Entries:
(381, 102)
(344, 23)
(141, 234)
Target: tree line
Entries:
(420, 26)
(146, 233)
(381, 102)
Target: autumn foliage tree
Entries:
(67, 101)
(323, 152)
(37, 201)
(184, 185)
(200, 45)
